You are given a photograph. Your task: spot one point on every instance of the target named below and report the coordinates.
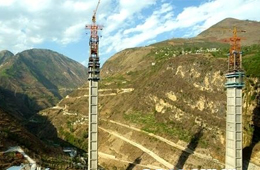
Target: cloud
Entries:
(127, 23)
(71, 34)
(78, 6)
(212, 12)
(26, 23)
(34, 5)
(6, 3)
(125, 13)
(149, 29)
(158, 22)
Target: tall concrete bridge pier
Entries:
(234, 131)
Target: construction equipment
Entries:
(235, 54)
(94, 76)
(95, 11)
(93, 43)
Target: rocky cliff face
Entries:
(251, 120)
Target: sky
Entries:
(59, 25)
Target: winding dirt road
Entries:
(187, 150)
(107, 156)
(149, 152)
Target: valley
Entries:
(160, 106)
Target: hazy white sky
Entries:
(59, 24)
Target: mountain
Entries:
(35, 79)
(223, 30)
(164, 105)
(218, 35)
(5, 55)
(31, 81)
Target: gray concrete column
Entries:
(234, 121)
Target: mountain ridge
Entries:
(223, 30)
(39, 72)
(5, 55)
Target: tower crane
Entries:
(94, 43)
(235, 54)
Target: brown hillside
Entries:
(221, 31)
(36, 79)
(162, 106)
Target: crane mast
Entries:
(93, 78)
